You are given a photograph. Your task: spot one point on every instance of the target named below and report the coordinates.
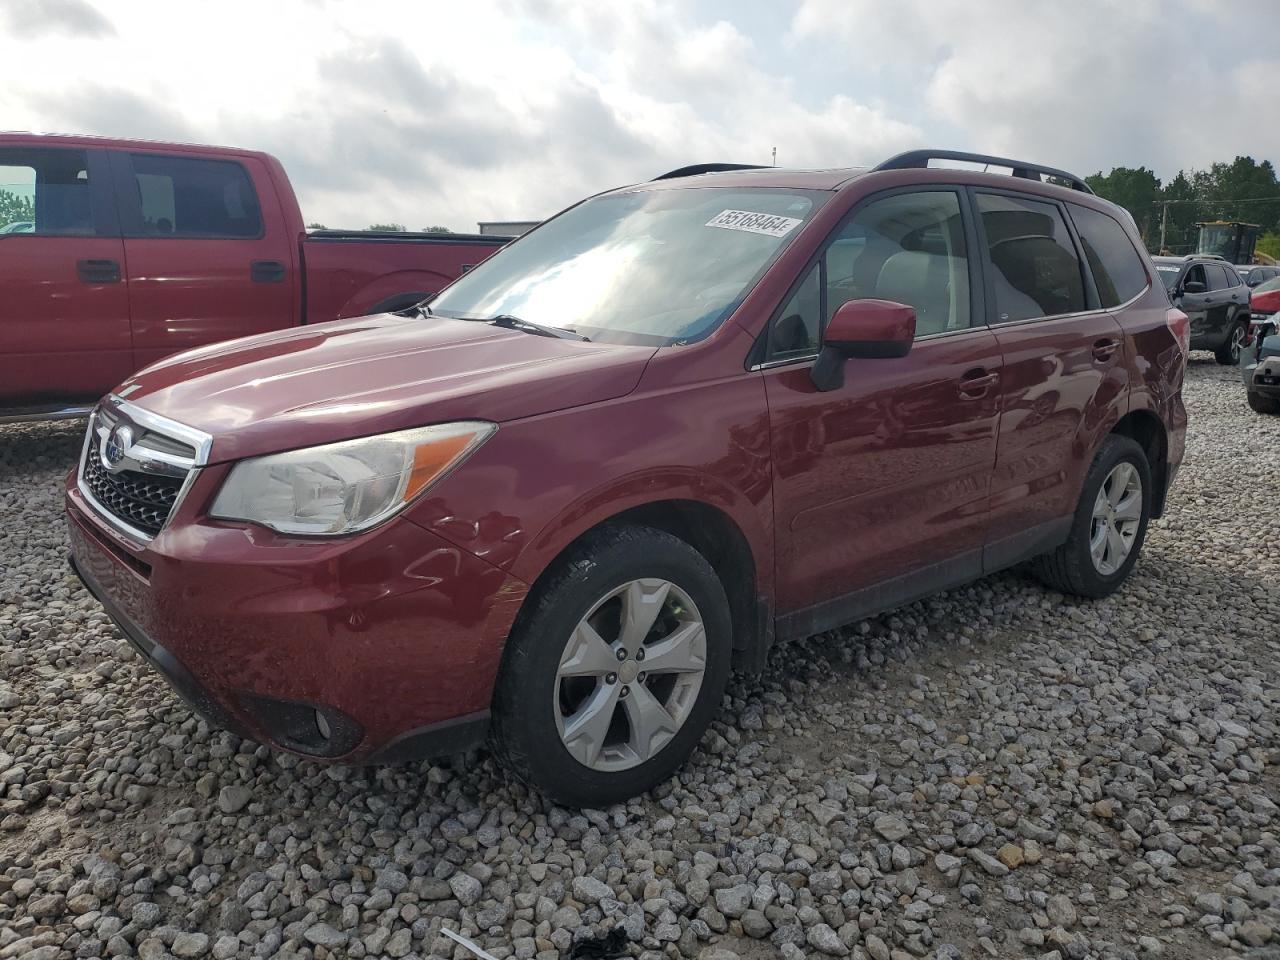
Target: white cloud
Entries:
(1085, 85)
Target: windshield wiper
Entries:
(528, 326)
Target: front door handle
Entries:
(98, 271)
(1105, 349)
(266, 271)
(975, 384)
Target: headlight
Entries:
(345, 487)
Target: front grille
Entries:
(141, 500)
(148, 468)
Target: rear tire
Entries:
(1229, 353)
(1261, 404)
(614, 669)
(1074, 567)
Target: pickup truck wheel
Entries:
(1229, 353)
(613, 674)
(1109, 525)
(1261, 404)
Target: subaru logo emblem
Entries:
(115, 445)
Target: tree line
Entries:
(1243, 189)
(387, 228)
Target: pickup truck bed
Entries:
(139, 250)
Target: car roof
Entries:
(33, 139)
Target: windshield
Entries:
(652, 267)
(1168, 273)
(1268, 286)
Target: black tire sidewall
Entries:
(524, 720)
(1117, 449)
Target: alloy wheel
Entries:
(630, 674)
(1117, 514)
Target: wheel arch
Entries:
(1146, 429)
(721, 540)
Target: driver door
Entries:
(880, 485)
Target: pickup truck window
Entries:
(184, 197)
(655, 267)
(45, 192)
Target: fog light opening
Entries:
(322, 725)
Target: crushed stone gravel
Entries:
(998, 771)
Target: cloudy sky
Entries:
(454, 112)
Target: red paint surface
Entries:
(913, 461)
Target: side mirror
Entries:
(1193, 286)
(868, 329)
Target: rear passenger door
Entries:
(208, 252)
(1062, 369)
(64, 302)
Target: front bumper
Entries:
(381, 647)
(1260, 366)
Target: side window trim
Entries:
(1092, 301)
(758, 356)
(129, 199)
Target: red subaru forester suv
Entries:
(557, 503)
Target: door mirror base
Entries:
(827, 372)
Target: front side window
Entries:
(655, 267)
(1118, 271)
(1036, 272)
(1196, 274)
(909, 248)
(184, 197)
(45, 191)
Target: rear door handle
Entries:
(266, 271)
(975, 384)
(98, 271)
(1105, 349)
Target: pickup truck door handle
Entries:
(266, 271)
(1105, 349)
(975, 384)
(98, 271)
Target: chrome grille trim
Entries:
(157, 452)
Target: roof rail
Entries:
(697, 168)
(914, 159)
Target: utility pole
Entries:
(775, 156)
(1164, 224)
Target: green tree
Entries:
(316, 226)
(436, 229)
(1269, 243)
(387, 227)
(1134, 189)
(15, 209)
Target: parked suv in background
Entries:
(1213, 295)
(1253, 275)
(676, 423)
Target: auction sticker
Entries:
(765, 223)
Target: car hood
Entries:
(352, 378)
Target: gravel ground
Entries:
(998, 771)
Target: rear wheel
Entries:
(1262, 404)
(1109, 525)
(1229, 353)
(610, 680)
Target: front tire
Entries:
(1109, 525)
(1261, 404)
(615, 668)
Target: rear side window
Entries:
(1117, 268)
(45, 192)
(184, 197)
(1036, 270)
(1218, 276)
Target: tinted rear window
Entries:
(1117, 267)
(183, 197)
(1037, 272)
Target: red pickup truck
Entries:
(122, 252)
